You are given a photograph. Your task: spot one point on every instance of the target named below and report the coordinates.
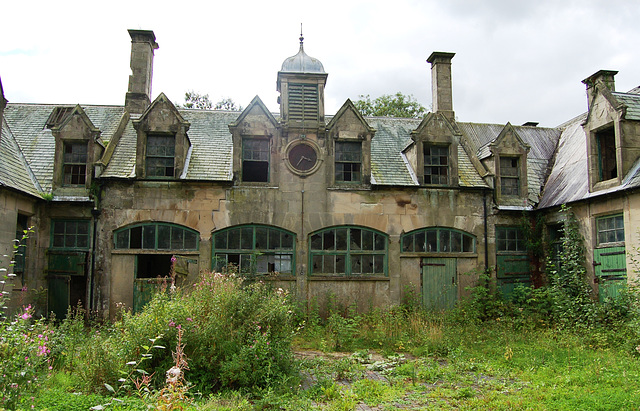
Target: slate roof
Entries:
(568, 180)
(541, 140)
(14, 172)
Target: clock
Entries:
(302, 157)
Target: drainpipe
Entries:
(486, 234)
(95, 212)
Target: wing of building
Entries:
(364, 209)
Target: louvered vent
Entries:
(303, 102)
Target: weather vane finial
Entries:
(301, 38)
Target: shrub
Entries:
(236, 334)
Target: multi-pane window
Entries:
(510, 239)
(303, 101)
(436, 165)
(606, 145)
(255, 249)
(156, 236)
(509, 176)
(255, 160)
(75, 163)
(70, 234)
(610, 229)
(160, 159)
(438, 240)
(348, 161)
(348, 251)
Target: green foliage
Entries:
(388, 105)
(572, 303)
(235, 334)
(193, 100)
(227, 104)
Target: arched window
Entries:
(438, 240)
(255, 249)
(156, 236)
(350, 251)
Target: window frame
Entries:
(605, 142)
(119, 237)
(352, 255)
(264, 148)
(432, 167)
(423, 234)
(160, 157)
(74, 164)
(519, 240)
(510, 174)
(251, 255)
(68, 233)
(618, 231)
(342, 160)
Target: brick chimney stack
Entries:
(143, 43)
(603, 77)
(442, 95)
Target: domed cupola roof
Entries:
(302, 63)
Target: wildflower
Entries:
(638, 348)
(172, 324)
(173, 374)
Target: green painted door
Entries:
(439, 283)
(610, 270)
(512, 270)
(58, 295)
(145, 288)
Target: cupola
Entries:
(301, 82)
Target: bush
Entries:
(236, 334)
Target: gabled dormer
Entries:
(436, 142)
(162, 141)
(509, 163)
(301, 83)
(349, 145)
(611, 130)
(252, 134)
(77, 147)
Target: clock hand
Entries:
(302, 159)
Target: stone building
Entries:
(367, 210)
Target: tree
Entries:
(195, 100)
(227, 104)
(390, 105)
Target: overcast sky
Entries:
(515, 61)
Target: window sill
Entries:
(438, 255)
(346, 278)
(611, 245)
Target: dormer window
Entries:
(348, 162)
(160, 160)
(75, 164)
(255, 160)
(57, 116)
(509, 176)
(606, 146)
(436, 164)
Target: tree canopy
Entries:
(193, 100)
(390, 105)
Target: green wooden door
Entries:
(58, 295)
(439, 283)
(610, 270)
(145, 288)
(512, 270)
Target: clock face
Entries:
(302, 157)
